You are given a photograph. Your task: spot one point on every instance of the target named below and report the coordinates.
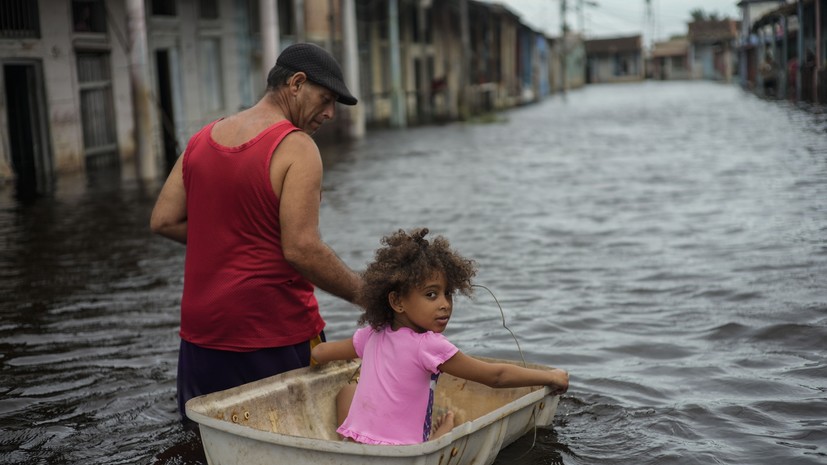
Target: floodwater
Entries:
(664, 242)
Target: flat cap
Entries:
(319, 66)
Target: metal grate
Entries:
(208, 9)
(19, 19)
(97, 109)
(89, 16)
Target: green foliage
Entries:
(699, 14)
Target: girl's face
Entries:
(424, 308)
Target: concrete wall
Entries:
(181, 36)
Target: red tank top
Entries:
(240, 294)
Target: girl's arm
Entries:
(336, 350)
(504, 375)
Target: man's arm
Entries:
(299, 173)
(169, 216)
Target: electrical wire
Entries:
(534, 409)
(502, 313)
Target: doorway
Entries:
(166, 113)
(31, 157)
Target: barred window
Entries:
(163, 8)
(212, 94)
(19, 19)
(89, 16)
(97, 108)
(208, 9)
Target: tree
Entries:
(700, 15)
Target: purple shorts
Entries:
(202, 371)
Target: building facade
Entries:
(615, 59)
(121, 85)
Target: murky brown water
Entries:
(664, 242)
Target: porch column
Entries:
(465, 68)
(762, 52)
(563, 49)
(785, 56)
(817, 25)
(146, 165)
(298, 12)
(424, 82)
(800, 50)
(270, 46)
(398, 112)
(356, 127)
(744, 42)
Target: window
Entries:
(208, 9)
(253, 17)
(287, 21)
(210, 63)
(97, 109)
(163, 8)
(286, 13)
(413, 13)
(88, 16)
(19, 19)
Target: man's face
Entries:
(317, 104)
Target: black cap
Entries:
(319, 66)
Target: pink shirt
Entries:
(395, 395)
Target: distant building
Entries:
(713, 49)
(91, 85)
(73, 101)
(616, 59)
(670, 60)
(783, 49)
(750, 48)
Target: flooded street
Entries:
(666, 243)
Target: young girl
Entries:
(408, 299)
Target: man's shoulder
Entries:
(299, 141)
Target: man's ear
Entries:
(295, 82)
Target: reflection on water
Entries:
(664, 242)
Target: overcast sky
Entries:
(618, 17)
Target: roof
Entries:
(671, 48)
(789, 9)
(494, 7)
(713, 30)
(614, 45)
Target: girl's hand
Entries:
(337, 350)
(560, 381)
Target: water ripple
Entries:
(664, 242)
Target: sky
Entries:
(607, 18)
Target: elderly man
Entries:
(244, 198)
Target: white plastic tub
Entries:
(291, 419)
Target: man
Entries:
(244, 198)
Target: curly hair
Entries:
(406, 262)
